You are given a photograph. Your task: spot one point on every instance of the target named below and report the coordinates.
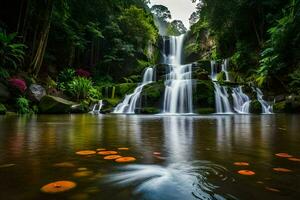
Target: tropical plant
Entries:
(64, 77)
(22, 105)
(80, 88)
(11, 53)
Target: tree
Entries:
(161, 12)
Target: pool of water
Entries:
(177, 157)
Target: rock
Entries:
(37, 92)
(55, 105)
(149, 110)
(2, 109)
(255, 107)
(79, 108)
(4, 93)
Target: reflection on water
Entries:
(196, 155)
(185, 180)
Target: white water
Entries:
(221, 94)
(266, 107)
(128, 105)
(97, 107)
(241, 102)
(178, 85)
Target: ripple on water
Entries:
(186, 180)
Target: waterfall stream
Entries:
(128, 105)
(178, 84)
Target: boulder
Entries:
(4, 93)
(37, 92)
(255, 107)
(55, 105)
(2, 109)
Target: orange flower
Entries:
(86, 152)
(125, 159)
(123, 148)
(246, 172)
(294, 159)
(241, 164)
(58, 187)
(105, 153)
(279, 169)
(283, 155)
(112, 157)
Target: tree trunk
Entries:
(42, 38)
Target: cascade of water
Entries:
(241, 101)
(221, 94)
(225, 69)
(128, 105)
(99, 105)
(178, 84)
(266, 107)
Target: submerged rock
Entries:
(55, 105)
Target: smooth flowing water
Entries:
(97, 107)
(128, 105)
(178, 97)
(178, 157)
(241, 101)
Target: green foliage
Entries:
(11, 52)
(80, 88)
(295, 81)
(2, 109)
(64, 77)
(23, 106)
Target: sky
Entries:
(180, 9)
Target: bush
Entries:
(18, 84)
(23, 106)
(2, 109)
(64, 77)
(80, 88)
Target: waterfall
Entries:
(178, 84)
(266, 107)
(241, 101)
(128, 105)
(95, 110)
(221, 94)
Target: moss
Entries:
(55, 105)
(205, 110)
(125, 88)
(2, 109)
(203, 94)
(152, 94)
(150, 110)
(255, 107)
(109, 104)
(279, 107)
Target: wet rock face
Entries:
(37, 92)
(55, 105)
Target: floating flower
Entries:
(246, 172)
(279, 169)
(241, 163)
(105, 153)
(123, 148)
(283, 155)
(58, 187)
(125, 159)
(112, 157)
(86, 152)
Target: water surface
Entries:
(195, 162)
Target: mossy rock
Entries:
(55, 105)
(205, 111)
(109, 104)
(2, 109)
(203, 94)
(149, 110)
(255, 107)
(152, 94)
(124, 88)
(292, 106)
